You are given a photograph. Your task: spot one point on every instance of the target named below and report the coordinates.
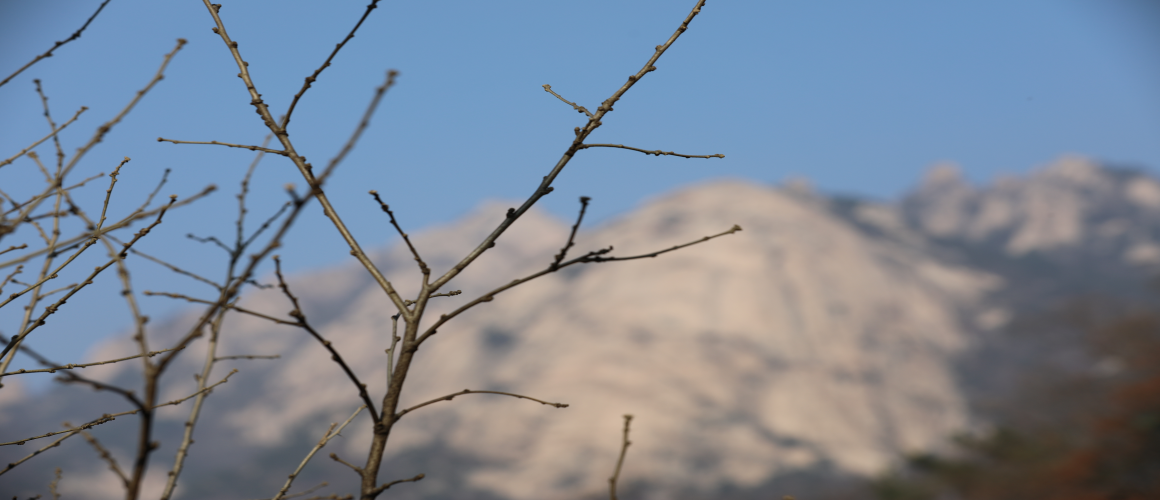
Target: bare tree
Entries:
(247, 251)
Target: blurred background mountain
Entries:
(836, 348)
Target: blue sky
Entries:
(858, 97)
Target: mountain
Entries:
(818, 344)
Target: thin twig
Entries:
(56, 45)
(325, 64)
(451, 396)
(448, 294)
(330, 434)
(45, 138)
(51, 124)
(577, 107)
(335, 457)
(110, 417)
(228, 306)
(152, 194)
(210, 239)
(334, 355)
(53, 484)
(171, 267)
(384, 487)
(422, 265)
(248, 356)
(194, 412)
(572, 237)
(362, 126)
(655, 152)
(21, 246)
(11, 276)
(70, 366)
(242, 146)
(620, 461)
(105, 455)
(240, 240)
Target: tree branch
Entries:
(56, 45)
(422, 265)
(330, 434)
(325, 64)
(577, 107)
(83, 365)
(105, 455)
(242, 146)
(655, 152)
(451, 396)
(384, 487)
(571, 237)
(50, 135)
(620, 462)
(334, 355)
(362, 126)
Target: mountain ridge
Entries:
(826, 336)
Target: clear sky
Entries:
(858, 97)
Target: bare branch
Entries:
(571, 237)
(330, 434)
(655, 152)
(362, 125)
(325, 64)
(50, 446)
(56, 45)
(577, 107)
(619, 462)
(71, 366)
(334, 355)
(228, 306)
(248, 356)
(52, 485)
(51, 123)
(21, 246)
(334, 456)
(105, 455)
(448, 294)
(12, 275)
(422, 265)
(245, 190)
(582, 133)
(599, 256)
(190, 423)
(242, 146)
(171, 267)
(127, 221)
(210, 239)
(97, 385)
(45, 138)
(449, 397)
(110, 417)
(384, 487)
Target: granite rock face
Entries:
(824, 336)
